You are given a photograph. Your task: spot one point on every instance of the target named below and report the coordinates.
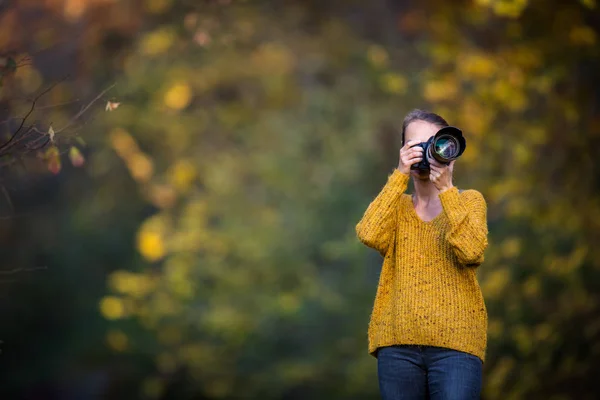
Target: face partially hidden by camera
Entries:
(420, 132)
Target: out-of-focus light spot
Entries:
(135, 285)
(583, 36)
(152, 388)
(29, 78)
(182, 174)
(178, 96)
(495, 328)
(477, 66)
(439, 90)
(543, 332)
(158, 6)
(275, 58)
(112, 307)
(162, 196)
(151, 245)
(289, 303)
(166, 363)
(122, 142)
(495, 282)
(511, 247)
(378, 56)
(509, 8)
(117, 340)
(532, 287)
(73, 9)
(169, 335)
(202, 38)
(591, 4)
(394, 83)
(157, 42)
(140, 166)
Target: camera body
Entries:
(446, 145)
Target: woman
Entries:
(428, 327)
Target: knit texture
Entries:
(428, 292)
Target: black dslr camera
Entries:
(446, 145)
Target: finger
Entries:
(409, 144)
(436, 163)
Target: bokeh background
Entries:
(191, 234)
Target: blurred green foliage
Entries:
(244, 141)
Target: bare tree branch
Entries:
(7, 143)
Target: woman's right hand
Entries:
(409, 156)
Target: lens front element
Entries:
(446, 147)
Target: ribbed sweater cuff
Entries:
(398, 180)
(454, 209)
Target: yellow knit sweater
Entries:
(428, 292)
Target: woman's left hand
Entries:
(441, 175)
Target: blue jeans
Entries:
(424, 372)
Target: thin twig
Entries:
(17, 270)
(58, 105)
(84, 109)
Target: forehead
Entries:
(420, 130)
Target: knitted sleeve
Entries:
(468, 232)
(379, 220)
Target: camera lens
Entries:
(447, 144)
(446, 147)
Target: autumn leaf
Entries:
(112, 105)
(52, 157)
(76, 157)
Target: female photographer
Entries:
(428, 327)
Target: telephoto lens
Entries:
(446, 145)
